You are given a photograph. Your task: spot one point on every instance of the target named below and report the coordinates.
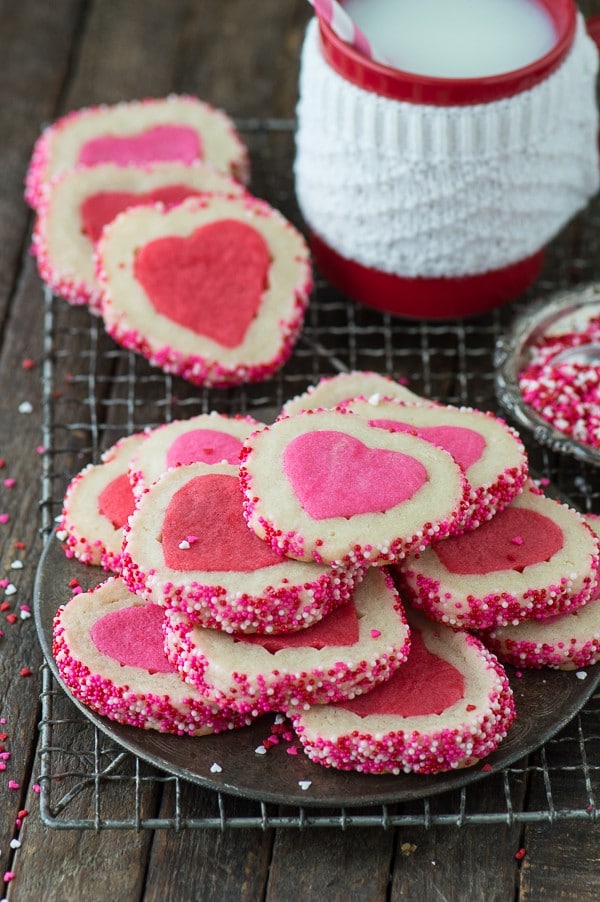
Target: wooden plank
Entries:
(319, 864)
(35, 43)
(229, 865)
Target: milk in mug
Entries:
(456, 38)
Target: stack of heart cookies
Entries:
(359, 565)
(143, 215)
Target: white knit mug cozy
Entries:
(434, 197)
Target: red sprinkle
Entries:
(26, 672)
(28, 363)
(520, 854)
(4, 606)
(11, 618)
(486, 768)
(20, 545)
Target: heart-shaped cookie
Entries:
(209, 508)
(465, 445)
(513, 539)
(341, 627)
(337, 475)
(425, 684)
(211, 282)
(161, 143)
(205, 446)
(101, 208)
(133, 637)
(116, 501)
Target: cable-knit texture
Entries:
(421, 190)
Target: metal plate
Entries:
(545, 701)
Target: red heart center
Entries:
(209, 508)
(338, 628)
(424, 684)
(512, 540)
(207, 446)
(133, 637)
(336, 475)
(465, 445)
(116, 501)
(99, 209)
(211, 282)
(161, 143)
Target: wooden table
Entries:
(243, 57)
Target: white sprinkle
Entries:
(26, 407)
(279, 718)
(15, 844)
(260, 750)
(581, 675)
(184, 545)
(304, 784)
(10, 589)
(25, 615)
(16, 565)
(61, 535)
(215, 768)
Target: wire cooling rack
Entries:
(95, 392)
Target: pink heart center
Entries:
(204, 446)
(116, 501)
(99, 209)
(465, 445)
(512, 540)
(211, 282)
(133, 637)
(209, 508)
(161, 143)
(336, 475)
(425, 684)
(338, 628)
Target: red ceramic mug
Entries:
(347, 100)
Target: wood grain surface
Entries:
(243, 57)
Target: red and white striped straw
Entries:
(334, 14)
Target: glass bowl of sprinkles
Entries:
(547, 372)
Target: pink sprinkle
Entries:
(5, 756)
(12, 784)
(8, 876)
(77, 590)
(37, 788)
(517, 540)
(375, 634)
(9, 483)
(544, 481)
(192, 539)
(40, 449)
(2, 765)
(292, 750)
(4, 518)
(4, 583)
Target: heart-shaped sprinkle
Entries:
(161, 143)
(424, 684)
(99, 209)
(491, 547)
(465, 445)
(336, 475)
(116, 501)
(211, 282)
(211, 507)
(133, 636)
(204, 446)
(340, 627)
